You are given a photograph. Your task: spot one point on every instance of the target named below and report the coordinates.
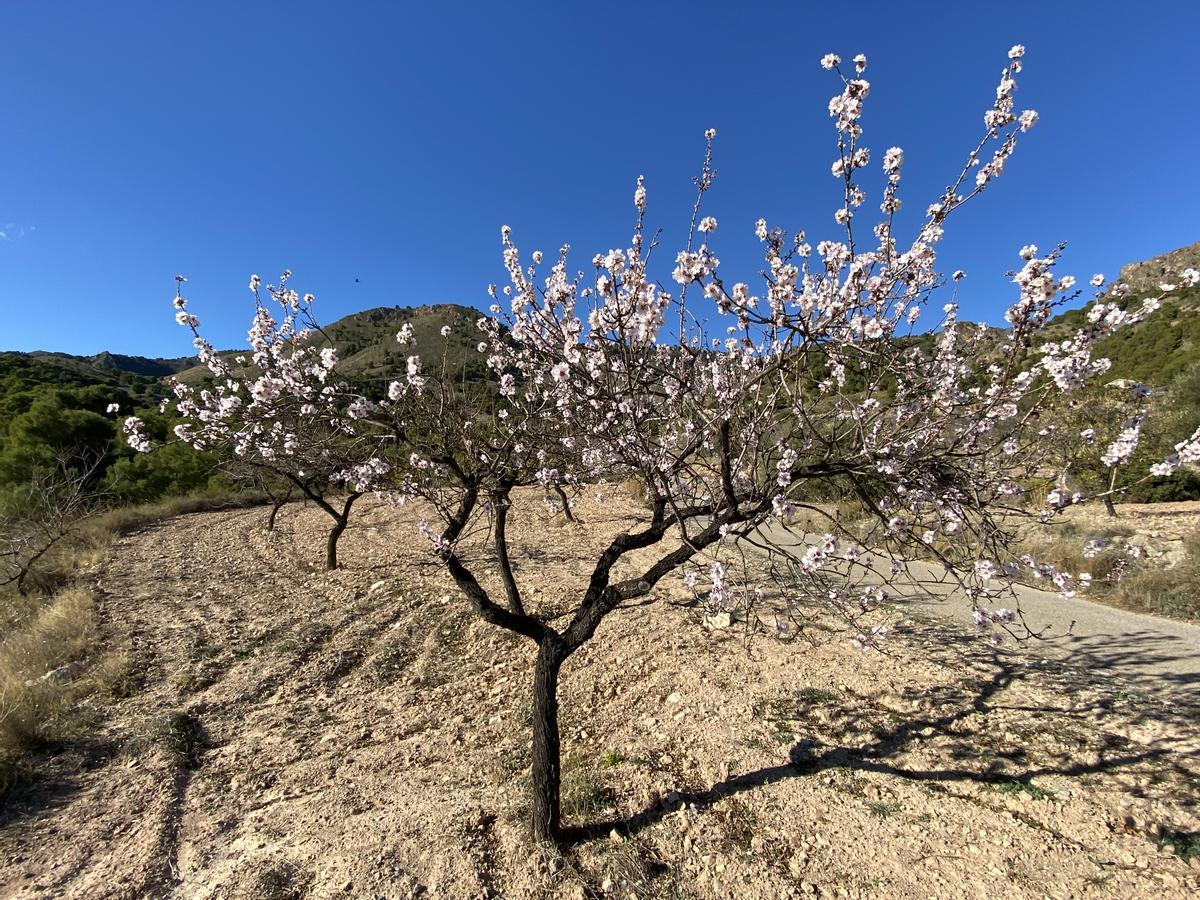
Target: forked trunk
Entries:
(547, 773)
(566, 503)
(340, 520)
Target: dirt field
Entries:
(294, 733)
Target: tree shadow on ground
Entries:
(963, 744)
(1146, 652)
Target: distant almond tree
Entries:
(279, 409)
(813, 382)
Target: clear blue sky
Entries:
(388, 142)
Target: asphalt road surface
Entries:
(1154, 655)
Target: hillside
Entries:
(56, 405)
(1145, 276)
(366, 341)
(67, 370)
(131, 381)
(1155, 351)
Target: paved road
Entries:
(1157, 656)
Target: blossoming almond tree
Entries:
(281, 410)
(821, 376)
(817, 379)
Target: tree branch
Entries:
(501, 504)
(486, 608)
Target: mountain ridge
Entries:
(1145, 276)
(366, 343)
(1153, 351)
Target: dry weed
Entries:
(37, 674)
(1117, 578)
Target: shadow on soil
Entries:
(1143, 651)
(964, 742)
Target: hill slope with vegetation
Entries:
(1167, 343)
(1146, 276)
(54, 403)
(1161, 352)
(367, 347)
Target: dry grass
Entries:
(1117, 579)
(1062, 545)
(634, 488)
(35, 689)
(50, 658)
(1169, 592)
(95, 536)
(844, 514)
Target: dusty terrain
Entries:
(288, 732)
(1159, 528)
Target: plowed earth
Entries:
(289, 732)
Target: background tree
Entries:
(37, 516)
(279, 409)
(1097, 437)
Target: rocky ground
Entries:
(288, 732)
(1157, 528)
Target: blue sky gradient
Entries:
(389, 142)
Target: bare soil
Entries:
(288, 732)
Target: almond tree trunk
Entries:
(566, 503)
(331, 557)
(274, 512)
(1108, 501)
(340, 521)
(547, 771)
